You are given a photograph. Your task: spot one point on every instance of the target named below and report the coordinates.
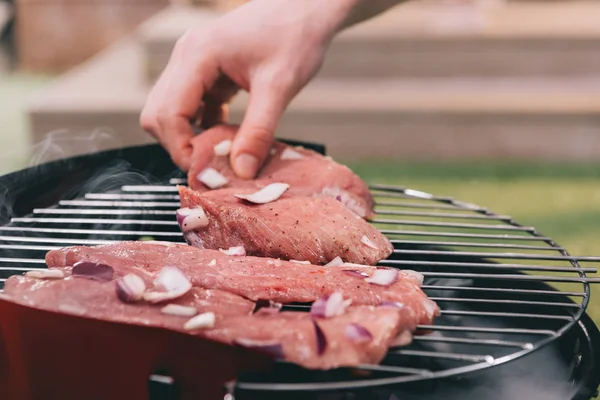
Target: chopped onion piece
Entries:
(171, 279)
(291, 154)
(94, 271)
(357, 274)
(403, 339)
(358, 333)
(330, 306)
(300, 262)
(45, 274)
(223, 148)
(368, 242)
(269, 193)
(73, 309)
(201, 321)
(178, 310)
(394, 304)
(212, 263)
(431, 308)
(172, 284)
(212, 178)
(321, 339)
(234, 251)
(336, 262)
(384, 277)
(130, 288)
(190, 219)
(272, 348)
(417, 275)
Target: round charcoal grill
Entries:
(504, 332)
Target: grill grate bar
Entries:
(475, 244)
(92, 211)
(27, 247)
(417, 205)
(22, 260)
(123, 196)
(89, 231)
(483, 329)
(19, 268)
(116, 203)
(464, 235)
(503, 290)
(520, 267)
(474, 358)
(499, 301)
(400, 370)
(469, 341)
(149, 188)
(542, 278)
(53, 240)
(93, 221)
(505, 314)
(453, 225)
(443, 215)
(518, 256)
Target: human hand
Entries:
(269, 48)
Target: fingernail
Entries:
(246, 166)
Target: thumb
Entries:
(255, 136)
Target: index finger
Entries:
(175, 100)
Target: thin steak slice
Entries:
(290, 228)
(98, 299)
(291, 335)
(307, 172)
(255, 278)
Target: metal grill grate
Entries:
(484, 270)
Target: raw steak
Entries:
(291, 335)
(98, 299)
(295, 332)
(255, 278)
(307, 172)
(291, 228)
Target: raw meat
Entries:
(311, 175)
(98, 299)
(291, 334)
(255, 278)
(295, 332)
(291, 228)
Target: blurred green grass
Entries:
(560, 200)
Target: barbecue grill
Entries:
(504, 332)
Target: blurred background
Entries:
(494, 102)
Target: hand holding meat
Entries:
(269, 48)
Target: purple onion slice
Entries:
(384, 277)
(94, 271)
(330, 306)
(358, 333)
(274, 349)
(130, 288)
(321, 339)
(355, 273)
(394, 304)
